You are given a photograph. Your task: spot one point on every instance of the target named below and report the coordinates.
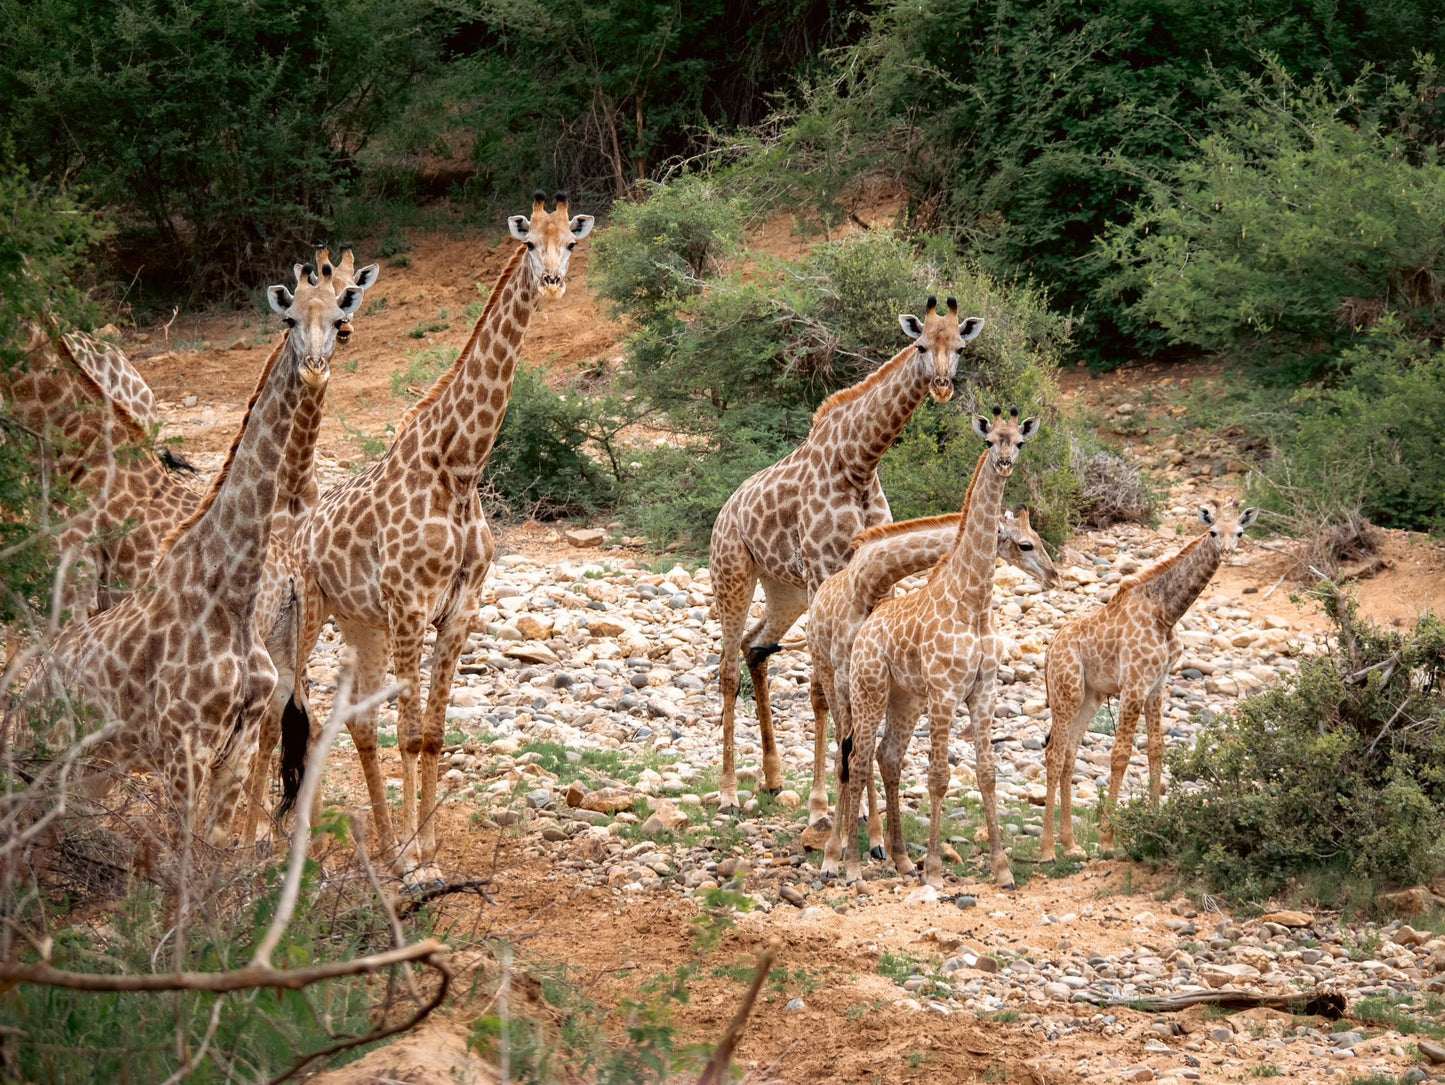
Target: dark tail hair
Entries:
(846, 749)
(295, 735)
(1049, 737)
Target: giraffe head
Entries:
(1226, 528)
(315, 312)
(344, 274)
(550, 239)
(939, 338)
(1004, 437)
(1020, 546)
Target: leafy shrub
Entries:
(221, 130)
(658, 251)
(741, 364)
(1343, 768)
(1303, 217)
(540, 465)
(1025, 130)
(1367, 445)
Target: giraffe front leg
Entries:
(1154, 730)
(370, 647)
(940, 721)
(1130, 704)
(450, 640)
(980, 712)
(406, 635)
(875, 819)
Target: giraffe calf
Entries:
(883, 556)
(1126, 647)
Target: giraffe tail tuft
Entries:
(295, 734)
(760, 652)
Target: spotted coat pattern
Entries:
(1125, 648)
(792, 525)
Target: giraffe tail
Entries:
(295, 734)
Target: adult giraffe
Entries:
(792, 525)
(177, 671)
(404, 544)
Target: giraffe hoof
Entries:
(774, 791)
(878, 852)
(730, 811)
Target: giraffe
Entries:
(404, 544)
(883, 556)
(935, 646)
(177, 669)
(791, 525)
(1126, 647)
(95, 417)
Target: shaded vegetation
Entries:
(1338, 772)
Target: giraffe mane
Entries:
(844, 396)
(206, 502)
(904, 527)
(962, 517)
(456, 367)
(1142, 578)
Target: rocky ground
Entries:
(584, 732)
(581, 776)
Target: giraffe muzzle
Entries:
(941, 389)
(315, 371)
(554, 286)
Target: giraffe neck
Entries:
(458, 421)
(862, 424)
(879, 565)
(227, 539)
(1176, 583)
(967, 570)
(296, 485)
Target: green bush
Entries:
(1370, 444)
(1024, 131)
(220, 131)
(1342, 769)
(1302, 218)
(741, 360)
(541, 465)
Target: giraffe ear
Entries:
(982, 426)
(581, 226)
(1248, 517)
(280, 298)
(970, 328)
(1028, 429)
(350, 299)
(367, 276)
(911, 325)
(1206, 514)
(519, 226)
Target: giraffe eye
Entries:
(531, 245)
(290, 322)
(571, 244)
(1026, 546)
(340, 324)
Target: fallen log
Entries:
(1309, 1005)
